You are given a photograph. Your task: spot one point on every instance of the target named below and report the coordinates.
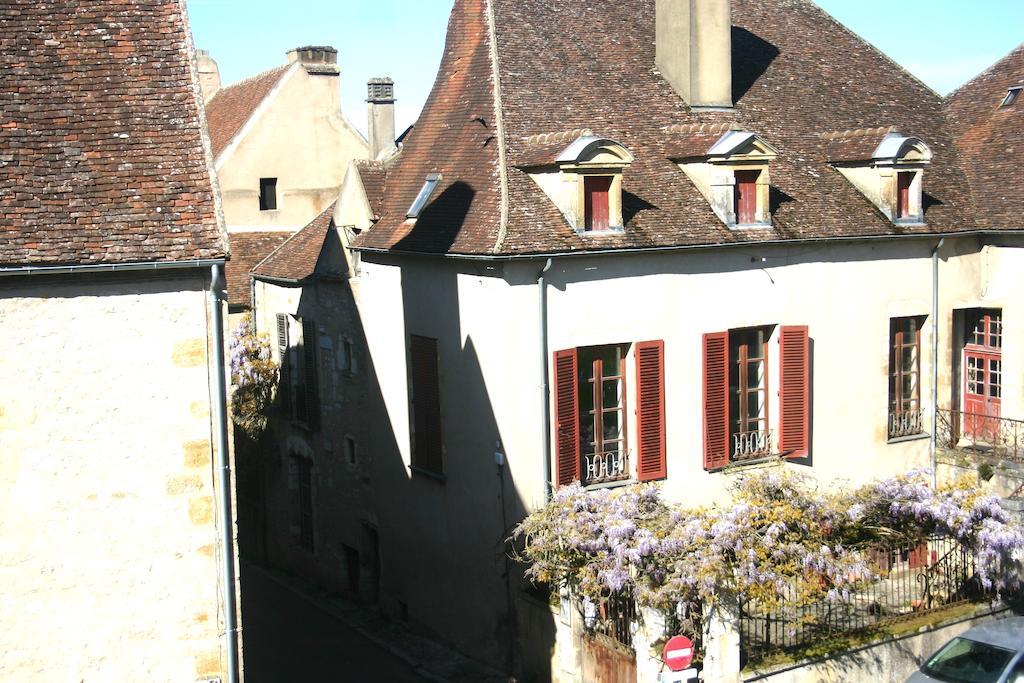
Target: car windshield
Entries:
(968, 661)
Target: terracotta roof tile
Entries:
(296, 259)
(231, 107)
(248, 249)
(101, 150)
(988, 135)
(373, 175)
(797, 74)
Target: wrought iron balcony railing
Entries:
(600, 468)
(751, 445)
(999, 437)
(905, 423)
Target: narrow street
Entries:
(288, 638)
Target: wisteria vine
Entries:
(253, 377)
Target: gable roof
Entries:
(247, 250)
(987, 136)
(798, 74)
(373, 175)
(229, 109)
(296, 259)
(102, 157)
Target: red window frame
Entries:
(745, 199)
(904, 179)
(597, 202)
(904, 402)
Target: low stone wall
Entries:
(891, 660)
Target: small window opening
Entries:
(268, 194)
(597, 209)
(904, 179)
(350, 450)
(602, 412)
(429, 185)
(748, 393)
(345, 359)
(1011, 96)
(746, 197)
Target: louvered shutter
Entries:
(794, 391)
(309, 370)
(716, 400)
(284, 388)
(426, 404)
(567, 418)
(650, 411)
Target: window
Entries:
(591, 439)
(350, 450)
(429, 185)
(904, 179)
(748, 393)
(302, 486)
(982, 364)
(1011, 96)
(745, 197)
(905, 376)
(268, 194)
(736, 394)
(298, 384)
(345, 361)
(596, 194)
(425, 405)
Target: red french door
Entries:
(983, 378)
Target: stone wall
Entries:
(108, 529)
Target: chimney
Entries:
(381, 116)
(209, 74)
(317, 59)
(694, 49)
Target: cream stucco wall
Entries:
(108, 530)
(485, 316)
(299, 136)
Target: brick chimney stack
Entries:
(381, 116)
(693, 48)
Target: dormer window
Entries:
(731, 170)
(582, 176)
(888, 171)
(1011, 96)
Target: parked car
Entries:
(990, 653)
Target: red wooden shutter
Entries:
(794, 391)
(567, 418)
(903, 180)
(650, 412)
(426, 404)
(746, 196)
(595, 198)
(716, 400)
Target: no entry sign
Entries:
(678, 653)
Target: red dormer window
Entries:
(903, 182)
(746, 197)
(596, 191)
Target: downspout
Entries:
(935, 362)
(220, 425)
(542, 300)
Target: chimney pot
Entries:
(313, 54)
(380, 96)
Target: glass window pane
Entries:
(968, 661)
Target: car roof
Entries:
(1007, 633)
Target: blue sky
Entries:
(942, 42)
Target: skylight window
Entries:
(1011, 96)
(429, 185)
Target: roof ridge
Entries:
(988, 70)
(560, 136)
(689, 128)
(858, 132)
(249, 79)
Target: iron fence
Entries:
(908, 582)
(998, 437)
(615, 617)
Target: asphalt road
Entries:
(287, 638)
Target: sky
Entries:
(942, 42)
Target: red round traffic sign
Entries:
(678, 653)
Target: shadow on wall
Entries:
(433, 541)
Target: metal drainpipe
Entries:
(224, 471)
(935, 361)
(542, 288)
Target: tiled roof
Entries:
(248, 249)
(854, 145)
(296, 259)
(101, 152)
(231, 107)
(988, 136)
(798, 75)
(373, 175)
